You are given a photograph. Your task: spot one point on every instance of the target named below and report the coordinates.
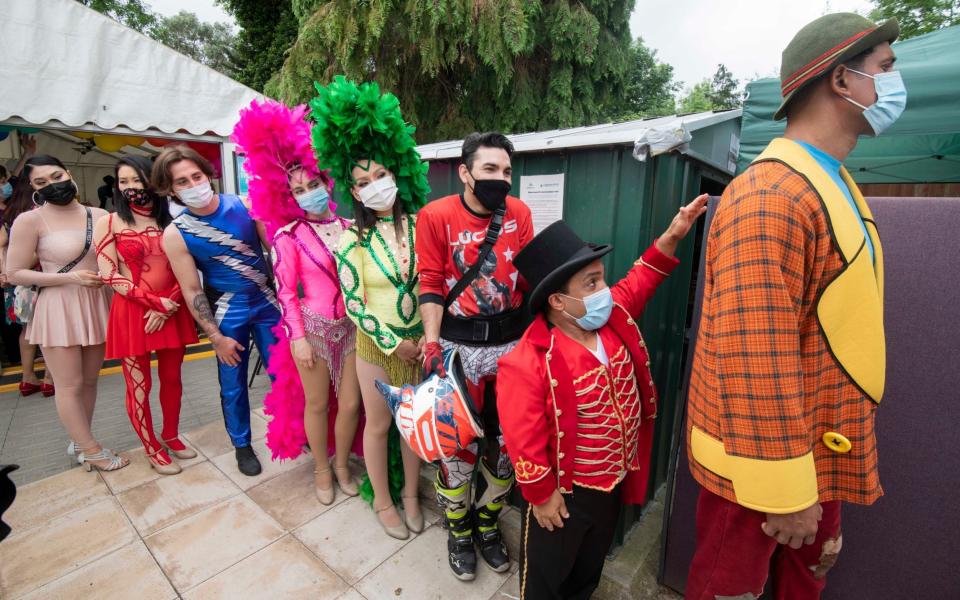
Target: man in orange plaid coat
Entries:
(790, 361)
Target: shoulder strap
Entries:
(86, 244)
(493, 233)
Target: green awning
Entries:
(924, 144)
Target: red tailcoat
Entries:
(537, 397)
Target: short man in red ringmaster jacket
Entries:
(577, 402)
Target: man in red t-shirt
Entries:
(482, 319)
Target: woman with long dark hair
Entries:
(145, 315)
(19, 202)
(70, 315)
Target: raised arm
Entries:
(185, 270)
(650, 270)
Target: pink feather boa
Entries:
(274, 139)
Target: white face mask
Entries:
(198, 196)
(379, 195)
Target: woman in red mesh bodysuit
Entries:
(145, 315)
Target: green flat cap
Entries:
(823, 44)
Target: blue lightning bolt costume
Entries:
(226, 249)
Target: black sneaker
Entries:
(462, 556)
(247, 462)
(492, 548)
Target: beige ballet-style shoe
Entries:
(324, 495)
(399, 532)
(414, 524)
(347, 485)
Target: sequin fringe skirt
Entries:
(332, 340)
(398, 371)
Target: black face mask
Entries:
(137, 197)
(60, 193)
(491, 193)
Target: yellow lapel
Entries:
(850, 308)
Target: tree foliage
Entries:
(132, 13)
(917, 17)
(267, 30)
(650, 87)
(209, 43)
(721, 92)
(725, 90)
(461, 65)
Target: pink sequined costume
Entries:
(303, 253)
(276, 139)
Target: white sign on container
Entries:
(544, 195)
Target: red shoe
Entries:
(29, 389)
(47, 389)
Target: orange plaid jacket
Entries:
(769, 402)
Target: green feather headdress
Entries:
(353, 123)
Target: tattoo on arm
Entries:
(204, 314)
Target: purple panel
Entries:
(904, 545)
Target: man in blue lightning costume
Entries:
(216, 235)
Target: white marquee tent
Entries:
(69, 68)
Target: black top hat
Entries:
(552, 258)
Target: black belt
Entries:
(485, 331)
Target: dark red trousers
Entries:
(734, 556)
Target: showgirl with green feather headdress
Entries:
(357, 126)
(361, 137)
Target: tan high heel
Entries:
(186, 454)
(347, 485)
(324, 495)
(399, 532)
(169, 469)
(414, 524)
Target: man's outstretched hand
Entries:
(681, 225)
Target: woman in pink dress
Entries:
(69, 319)
(315, 352)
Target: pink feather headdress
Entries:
(275, 139)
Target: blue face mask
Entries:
(6, 190)
(891, 100)
(599, 305)
(315, 201)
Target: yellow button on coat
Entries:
(836, 442)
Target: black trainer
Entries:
(247, 461)
(488, 538)
(462, 556)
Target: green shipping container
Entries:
(611, 197)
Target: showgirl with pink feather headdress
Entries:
(291, 196)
